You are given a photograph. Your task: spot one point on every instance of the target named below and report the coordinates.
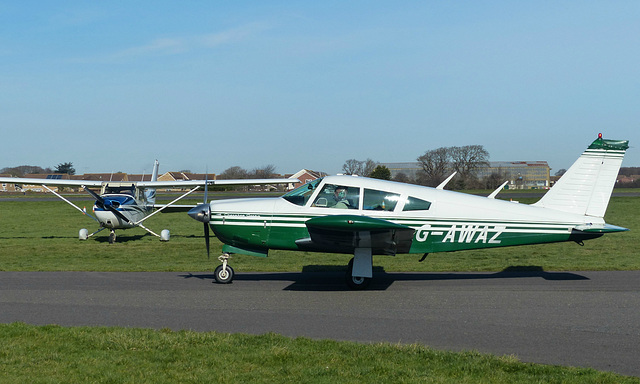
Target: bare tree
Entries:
(352, 167)
(235, 172)
(435, 164)
(468, 159)
(266, 172)
(368, 166)
(403, 178)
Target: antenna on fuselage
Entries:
(446, 181)
(495, 193)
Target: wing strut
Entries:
(69, 202)
(166, 206)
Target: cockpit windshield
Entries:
(301, 195)
(128, 190)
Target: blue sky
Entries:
(110, 86)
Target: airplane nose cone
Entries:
(201, 212)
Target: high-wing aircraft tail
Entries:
(586, 187)
(151, 192)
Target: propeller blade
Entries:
(98, 198)
(202, 213)
(206, 238)
(206, 185)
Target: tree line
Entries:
(436, 165)
(21, 170)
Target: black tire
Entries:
(222, 276)
(112, 238)
(356, 283)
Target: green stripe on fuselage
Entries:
(281, 232)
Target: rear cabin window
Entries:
(338, 197)
(415, 204)
(375, 200)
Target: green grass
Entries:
(53, 354)
(42, 236)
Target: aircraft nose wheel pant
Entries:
(224, 273)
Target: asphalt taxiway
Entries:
(586, 319)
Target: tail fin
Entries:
(150, 193)
(586, 187)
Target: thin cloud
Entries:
(165, 46)
(231, 35)
(175, 46)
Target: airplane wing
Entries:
(195, 183)
(144, 184)
(345, 233)
(30, 181)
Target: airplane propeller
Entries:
(202, 212)
(107, 204)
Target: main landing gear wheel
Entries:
(356, 283)
(224, 274)
(112, 237)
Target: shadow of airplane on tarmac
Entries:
(332, 278)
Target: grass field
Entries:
(42, 236)
(52, 354)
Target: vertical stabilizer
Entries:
(150, 193)
(586, 187)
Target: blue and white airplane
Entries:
(124, 205)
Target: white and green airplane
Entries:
(365, 217)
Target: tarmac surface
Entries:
(585, 319)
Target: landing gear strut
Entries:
(356, 282)
(224, 273)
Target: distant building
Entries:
(6, 187)
(520, 174)
(43, 176)
(409, 169)
(305, 176)
(184, 176)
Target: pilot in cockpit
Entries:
(340, 197)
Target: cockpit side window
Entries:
(301, 195)
(375, 200)
(415, 204)
(338, 196)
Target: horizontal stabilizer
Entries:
(601, 228)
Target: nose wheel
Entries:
(112, 237)
(224, 273)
